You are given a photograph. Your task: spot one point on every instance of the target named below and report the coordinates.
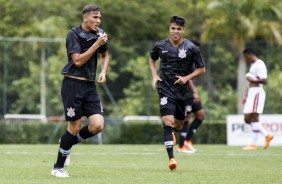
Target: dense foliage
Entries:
(133, 28)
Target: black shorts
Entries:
(178, 108)
(196, 107)
(80, 98)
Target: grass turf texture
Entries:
(28, 164)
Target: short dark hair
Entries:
(249, 51)
(89, 8)
(196, 42)
(177, 20)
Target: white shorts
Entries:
(255, 100)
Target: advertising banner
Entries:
(240, 134)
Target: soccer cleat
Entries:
(250, 147)
(268, 138)
(189, 145)
(61, 173)
(67, 162)
(185, 149)
(173, 138)
(172, 164)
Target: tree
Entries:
(242, 21)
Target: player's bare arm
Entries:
(80, 59)
(183, 79)
(194, 90)
(104, 67)
(258, 81)
(155, 75)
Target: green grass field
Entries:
(114, 164)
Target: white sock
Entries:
(257, 126)
(255, 137)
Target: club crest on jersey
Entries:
(182, 53)
(188, 108)
(70, 112)
(163, 101)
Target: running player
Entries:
(177, 58)
(80, 98)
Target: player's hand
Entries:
(154, 82)
(181, 80)
(102, 39)
(244, 100)
(101, 78)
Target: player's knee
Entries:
(178, 126)
(74, 126)
(201, 115)
(167, 121)
(247, 120)
(95, 128)
(73, 129)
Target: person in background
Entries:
(255, 98)
(187, 132)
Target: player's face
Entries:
(248, 57)
(176, 32)
(92, 20)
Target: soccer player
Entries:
(177, 58)
(254, 101)
(187, 132)
(79, 94)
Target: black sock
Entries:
(67, 141)
(168, 141)
(193, 128)
(183, 133)
(84, 133)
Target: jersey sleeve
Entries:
(198, 59)
(154, 53)
(262, 71)
(103, 48)
(72, 43)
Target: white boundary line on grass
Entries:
(247, 154)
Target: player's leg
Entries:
(168, 122)
(182, 134)
(182, 148)
(93, 109)
(253, 107)
(259, 110)
(255, 132)
(73, 113)
(257, 126)
(96, 124)
(67, 141)
(167, 111)
(248, 117)
(195, 124)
